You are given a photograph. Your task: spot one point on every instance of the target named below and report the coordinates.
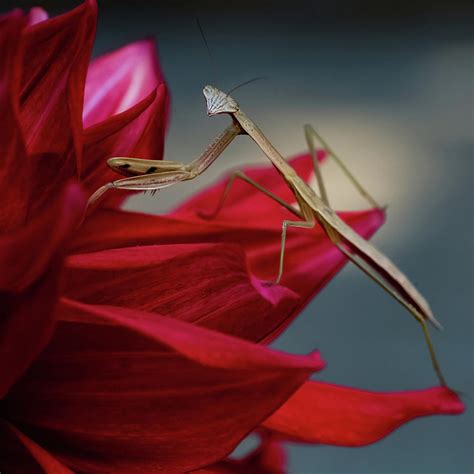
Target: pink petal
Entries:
(137, 132)
(37, 15)
(330, 414)
(119, 80)
(126, 111)
(122, 391)
(205, 284)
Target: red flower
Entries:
(137, 353)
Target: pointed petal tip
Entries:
(448, 401)
(37, 15)
(318, 359)
(274, 294)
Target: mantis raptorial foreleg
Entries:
(241, 175)
(312, 136)
(153, 175)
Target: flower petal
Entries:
(30, 262)
(22, 455)
(56, 56)
(204, 284)
(311, 260)
(123, 391)
(37, 15)
(137, 132)
(117, 81)
(330, 414)
(14, 170)
(126, 111)
(26, 254)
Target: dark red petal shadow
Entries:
(14, 169)
(330, 414)
(23, 456)
(125, 391)
(30, 263)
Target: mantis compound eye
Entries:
(219, 102)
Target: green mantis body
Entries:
(312, 209)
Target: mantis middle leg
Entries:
(305, 224)
(241, 175)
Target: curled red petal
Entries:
(30, 264)
(330, 414)
(14, 170)
(56, 56)
(204, 284)
(120, 391)
(119, 80)
(137, 132)
(311, 259)
(126, 112)
(22, 455)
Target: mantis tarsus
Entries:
(155, 175)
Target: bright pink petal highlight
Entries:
(117, 81)
(125, 112)
(36, 15)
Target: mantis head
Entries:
(219, 102)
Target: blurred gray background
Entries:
(390, 87)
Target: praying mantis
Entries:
(312, 208)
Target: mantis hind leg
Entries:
(313, 137)
(413, 311)
(305, 224)
(241, 175)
